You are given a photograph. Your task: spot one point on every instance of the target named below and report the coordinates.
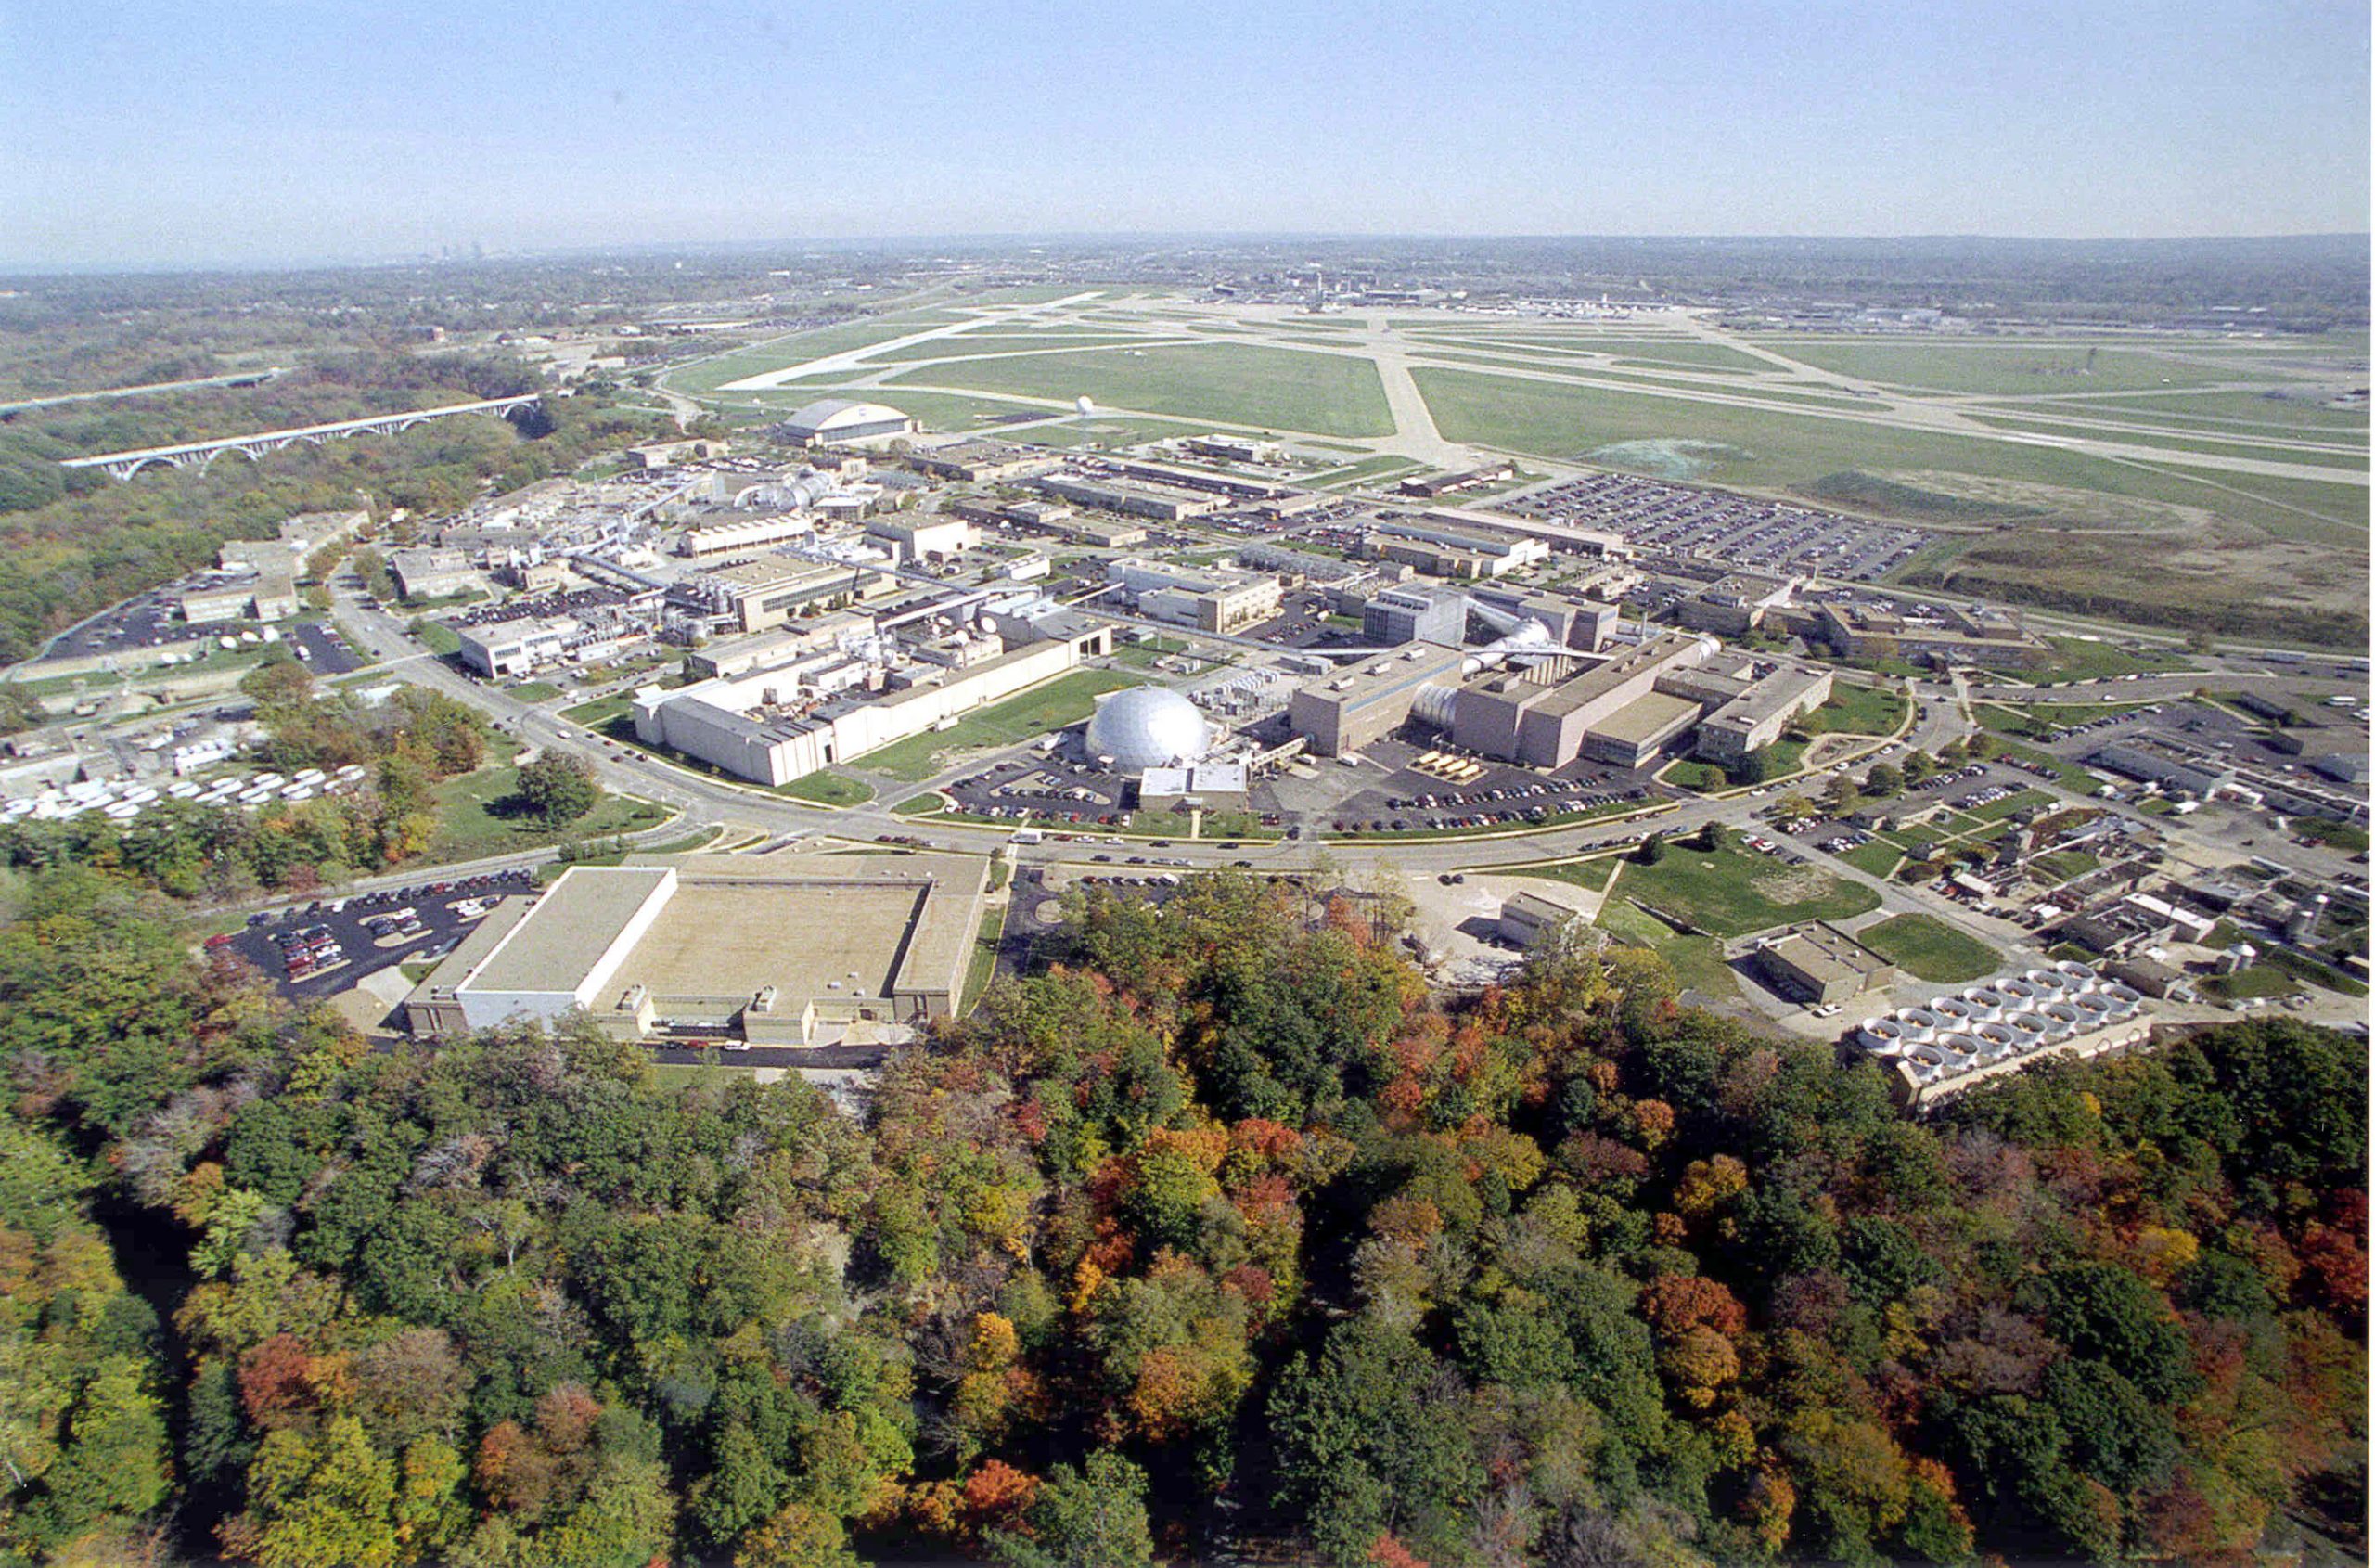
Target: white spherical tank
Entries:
(1148, 727)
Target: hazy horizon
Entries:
(289, 133)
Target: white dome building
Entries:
(1148, 727)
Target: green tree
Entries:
(560, 787)
(1093, 1516)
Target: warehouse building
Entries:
(762, 951)
(744, 535)
(1820, 963)
(1735, 605)
(834, 422)
(1747, 713)
(1528, 917)
(1131, 500)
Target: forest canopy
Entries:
(1222, 1229)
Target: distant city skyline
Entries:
(283, 131)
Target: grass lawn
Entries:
(979, 970)
(599, 711)
(2075, 659)
(2019, 801)
(473, 819)
(1731, 893)
(1366, 469)
(1242, 384)
(827, 789)
(2260, 980)
(1593, 874)
(1687, 775)
(534, 691)
(2064, 864)
(1858, 710)
(1697, 961)
(438, 638)
(2008, 368)
(1041, 711)
(1931, 950)
(1877, 858)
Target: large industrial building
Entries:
(761, 595)
(764, 950)
(1539, 714)
(834, 422)
(1210, 599)
(1414, 614)
(1344, 711)
(783, 723)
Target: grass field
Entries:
(828, 789)
(1929, 950)
(1858, 710)
(1594, 875)
(534, 691)
(1732, 893)
(1041, 711)
(2075, 659)
(1365, 471)
(473, 819)
(1270, 389)
(1877, 858)
(599, 711)
(438, 638)
(2008, 368)
(1697, 961)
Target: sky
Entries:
(200, 132)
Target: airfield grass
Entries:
(2075, 659)
(936, 411)
(2216, 444)
(1678, 353)
(1041, 711)
(1074, 432)
(969, 345)
(778, 353)
(1731, 893)
(2006, 368)
(1368, 468)
(1929, 950)
(2243, 408)
(1244, 384)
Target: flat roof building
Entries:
(1538, 718)
(760, 949)
(1209, 600)
(1348, 709)
(1820, 963)
(1526, 917)
(514, 648)
(1415, 614)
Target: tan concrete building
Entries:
(755, 950)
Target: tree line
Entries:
(1220, 1228)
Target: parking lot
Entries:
(326, 653)
(1766, 535)
(312, 951)
(144, 621)
(1407, 798)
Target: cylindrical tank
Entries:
(1961, 1050)
(2050, 983)
(1953, 1010)
(2020, 992)
(2061, 1018)
(2124, 1000)
(1984, 1004)
(2096, 1011)
(1995, 1042)
(2076, 971)
(1919, 1023)
(2029, 1029)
